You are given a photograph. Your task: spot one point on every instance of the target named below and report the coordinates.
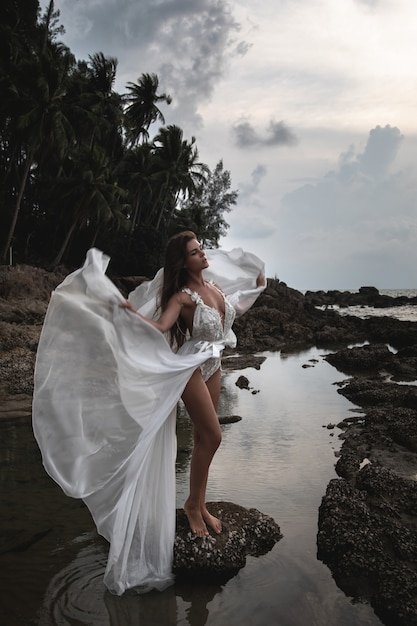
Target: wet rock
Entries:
(241, 362)
(218, 557)
(373, 358)
(368, 392)
(368, 518)
(369, 358)
(368, 538)
(242, 382)
(229, 419)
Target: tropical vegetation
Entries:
(80, 165)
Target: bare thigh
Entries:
(213, 385)
(200, 405)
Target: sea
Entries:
(407, 312)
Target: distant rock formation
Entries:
(366, 296)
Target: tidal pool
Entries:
(278, 459)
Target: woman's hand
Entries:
(261, 281)
(128, 305)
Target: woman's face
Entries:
(195, 257)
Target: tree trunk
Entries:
(28, 165)
(58, 258)
(94, 239)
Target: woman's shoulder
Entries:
(179, 298)
(187, 297)
(216, 286)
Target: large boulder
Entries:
(218, 557)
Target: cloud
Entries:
(376, 160)
(278, 134)
(187, 43)
(200, 44)
(369, 3)
(247, 190)
(362, 185)
(243, 48)
(380, 152)
(250, 223)
(250, 220)
(357, 222)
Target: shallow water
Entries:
(406, 313)
(278, 459)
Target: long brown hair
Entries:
(175, 277)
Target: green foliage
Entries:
(76, 165)
(203, 210)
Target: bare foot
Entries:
(211, 521)
(195, 519)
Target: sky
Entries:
(311, 105)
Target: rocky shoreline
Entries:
(367, 531)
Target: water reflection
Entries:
(76, 595)
(278, 459)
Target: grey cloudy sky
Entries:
(311, 104)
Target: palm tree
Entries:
(90, 196)
(142, 110)
(39, 122)
(105, 103)
(179, 169)
(139, 174)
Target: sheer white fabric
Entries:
(106, 389)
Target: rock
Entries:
(369, 540)
(242, 382)
(371, 392)
(241, 362)
(369, 291)
(229, 419)
(373, 358)
(217, 558)
(368, 358)
(368, 518)
(366, 296)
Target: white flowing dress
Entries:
(106, 389)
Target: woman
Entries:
(185, 292)
(106, 388)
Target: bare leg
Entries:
(213, 385)
(207, 438)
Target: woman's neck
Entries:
(196, 280)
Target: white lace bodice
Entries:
(209, 325)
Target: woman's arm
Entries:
(167, 319)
